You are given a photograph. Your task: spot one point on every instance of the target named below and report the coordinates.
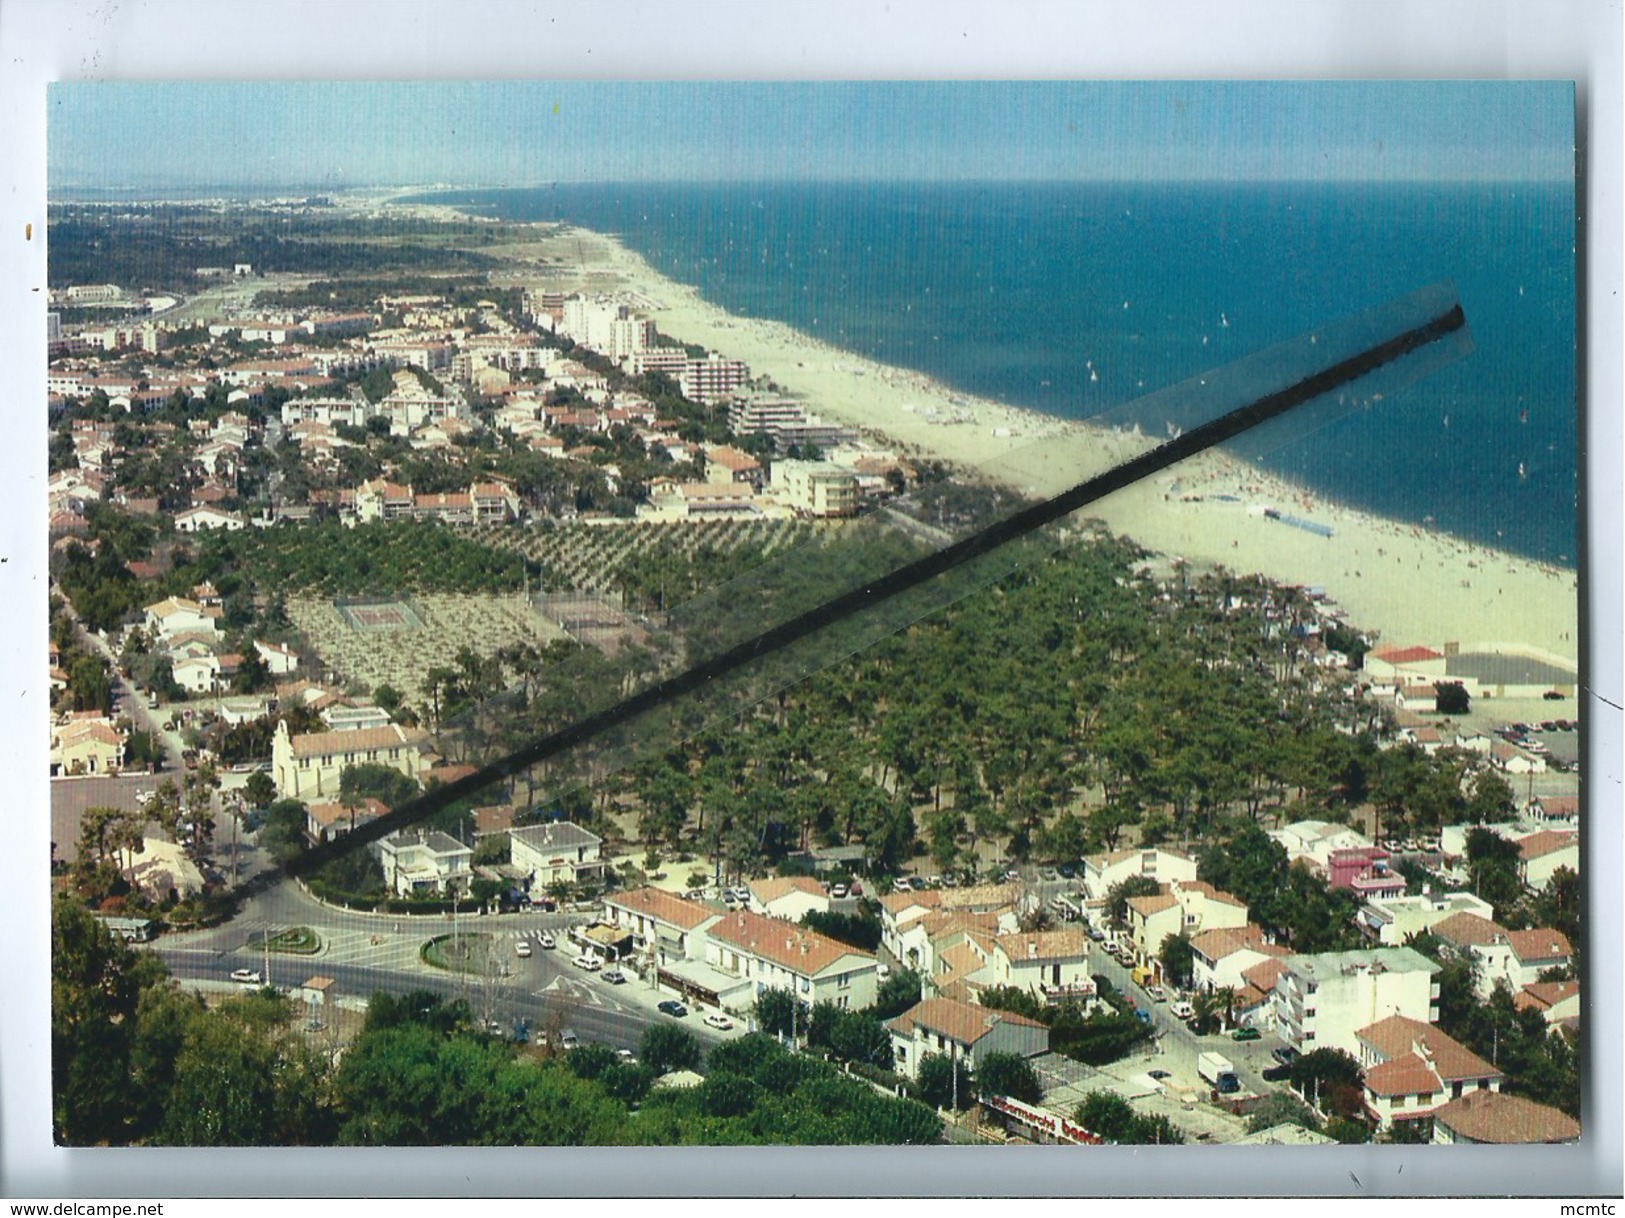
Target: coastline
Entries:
(1410, 584)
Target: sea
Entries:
(1073, 298)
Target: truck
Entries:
(1218, 1070)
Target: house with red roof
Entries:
(790, 897)
(961, 1031)
(775, 955)
(661, 923)
(1557, 1001)
(1412, 1069)
(1189, 907)
(1541, 854)
(1497, 1118)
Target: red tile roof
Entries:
(1408, 1075)
(1540, 944)
(1498, 1118)
(662, 906)
(790, 947)
(1547, 841)
(963, 1022)
(1468, 930)
(1397, 1037)
(1406, 655)
(1544, 995)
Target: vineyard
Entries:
(632, 557)
(401, 658)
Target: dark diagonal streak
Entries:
(911, 575)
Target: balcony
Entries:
(1075, 991)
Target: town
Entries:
(1129, 851)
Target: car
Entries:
(626, 1057)
(672, 1007)
(882, 971)
(614, 976)
(838, 892)
(546, 941)
(1157, 993)
(591, 963)
(1277, 1074)
(1552, 695)
(719, 1021)
(1182, 1010)
(916, 883)
(857, 889)
(1049, 873)
(1286, 1055)
(900, 884)
(568, 1038)
(1159, 1074)
(1245, 1034)
(522, 949)
(1068, 871)
(245, 976)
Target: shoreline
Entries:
(1410, 584)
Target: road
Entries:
(364, 953)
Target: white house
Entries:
(193, 520)
(196, 674)
(1314, 840)
(1518, 957)
(1544, 852)
(423, 861)
(774, 955)
(1557, 1001)
(557, 852)
(1190, 907)
(279, 660)
(1222, 955)
(1050, 965)
(1321, 1001)
(788, 897)
(1103, 872)
(961, 1031)
(175, 615)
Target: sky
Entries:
(345, 135)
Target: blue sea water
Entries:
(1014, 291)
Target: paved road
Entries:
(365, 952)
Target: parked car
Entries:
(1068, 871)
(916, 883)
(1049, 873)
(673, 1008)
(1158, 1074)
(719, 1021)
(1286, 1055)
(614, 976)
(568, 1039)
(1157, 993)
(626, 1056)
(522, 949)
(838, 892)
(857, 889)
(1245, 1034)
(546, 941)
(591, 963)
(245, 976)
(1277, 1074)
(901, 884)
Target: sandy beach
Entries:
(1410, 584)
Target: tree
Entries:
(95, 993)
(666, 1048)
(1331, 1079)
(259, 790)
(1120, 893)
(1009, 1074)
(1281, 1108)
(945, 1083)
(1493, 862)
(781, 1013)
(896, 994)
(1451, 698)
(1178, 959)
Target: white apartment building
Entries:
(1322, 1001)
(419, 861)
(661, 923)
(816, 488)
(1051, 965)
